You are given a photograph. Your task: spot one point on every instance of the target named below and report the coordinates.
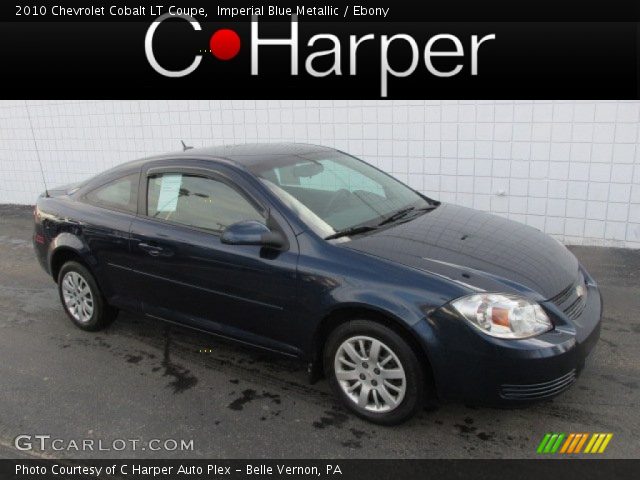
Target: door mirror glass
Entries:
(251, 232)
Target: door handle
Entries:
(152, 250)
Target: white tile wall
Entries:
(569, 168)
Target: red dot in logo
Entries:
(224, 44)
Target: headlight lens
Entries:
(503, 316)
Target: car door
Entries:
(188, 275)
(107, 211)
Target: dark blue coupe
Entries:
(396, 298)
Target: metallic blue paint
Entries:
(278, 298)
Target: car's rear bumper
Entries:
(484, 370)
(41, 251)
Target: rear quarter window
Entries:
(120, 194)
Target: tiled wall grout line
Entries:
(566, 167)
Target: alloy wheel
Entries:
(77, 296)
(370, 374)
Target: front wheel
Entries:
(81, 298)
(375, 372)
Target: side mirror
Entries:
(250, 232)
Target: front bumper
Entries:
(476, 368)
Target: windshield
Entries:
(332, 191)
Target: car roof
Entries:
(251, 156)
(247, 152)
(257, 156)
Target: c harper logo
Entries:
(573, 443)
(443, 55)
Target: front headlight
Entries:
(503, 315)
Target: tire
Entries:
(81, 298)
(396, 373)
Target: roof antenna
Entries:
(35, 144)
(185, 147)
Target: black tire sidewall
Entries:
(415, 378)
(98, 318)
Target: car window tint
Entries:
(120, 194)
(197, 202)
(336, 176)
(333, 177)
(338, 189)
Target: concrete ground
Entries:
(143, 380)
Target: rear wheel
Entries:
(374, 371)
(81, 298)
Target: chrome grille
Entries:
(569, 301)
(537, 390)
(574, 310)
(564, 294)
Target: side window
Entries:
(197, 202)
(120, 194)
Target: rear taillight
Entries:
(39, 238)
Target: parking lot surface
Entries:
(142, 380)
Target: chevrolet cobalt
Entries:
(396, 298)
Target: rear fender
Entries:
(70, 242)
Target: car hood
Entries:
(480, 250)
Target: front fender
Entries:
(406, 313)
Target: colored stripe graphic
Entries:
(567, 442)
(607, 439)
(555, 448)
(598, 443)
(544, 441)
(582, 440)
(573, 443)
(594, 437)
(551, 443)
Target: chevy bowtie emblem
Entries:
(580, 291)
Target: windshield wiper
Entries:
(367, 228)
(397, 215)
(347, 232)
(403, 213)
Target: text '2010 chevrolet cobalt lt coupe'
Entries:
(312, 253)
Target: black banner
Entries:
(366, 50)
(307, 469)
(359, 11)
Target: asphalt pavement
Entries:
(141, 381)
